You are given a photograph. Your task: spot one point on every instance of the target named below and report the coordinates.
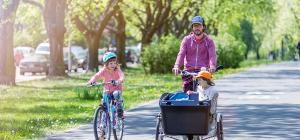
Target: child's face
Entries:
(112, 64)
(202, 82)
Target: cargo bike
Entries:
(190, 118)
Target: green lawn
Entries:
(35, 108)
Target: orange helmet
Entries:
(204, 74)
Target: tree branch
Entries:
(105, 16)
(34, 3)
(80, 25)
(138, 16)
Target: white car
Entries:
(43, 48)
(25, 50)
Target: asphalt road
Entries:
(261, 103)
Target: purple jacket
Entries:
(196, 54)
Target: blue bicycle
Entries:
(107, 118)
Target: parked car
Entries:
(132, 54)
(81, 56)
(43, 48)
(21, 52)
(38, 63)
(74, 61)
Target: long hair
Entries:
(209, 82)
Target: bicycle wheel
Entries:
(220, 135)
(102, 129)
(159, 129)
(118, 126)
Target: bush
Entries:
(229, 51)
(89, 93)
(160, 57)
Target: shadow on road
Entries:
(138, 121)
(262, 121)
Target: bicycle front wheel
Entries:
(118, 127)
(102, 128)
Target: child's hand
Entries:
(115, 82)
(91, 83)
(194, 78)
(189, 92)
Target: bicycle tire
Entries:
(99, 113)
(119, 129)
(158, 129)
(220, 135)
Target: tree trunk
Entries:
(7, 19)
(121, 37)
(93, 42)
(257, 54)
(146, 40)
(54, 15)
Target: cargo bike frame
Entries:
(190, 118)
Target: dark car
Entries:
(81, 56)
(82, 59)
(74, 61)
(38, 63)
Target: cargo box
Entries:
(184, 117)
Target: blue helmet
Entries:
(108, 55)
(198, 19)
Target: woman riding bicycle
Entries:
(111, 72)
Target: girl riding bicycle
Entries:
(111, 72)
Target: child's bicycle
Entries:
(106, 118)
(190, 117)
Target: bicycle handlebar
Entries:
(113, 82)
(186, 73)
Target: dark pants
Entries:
(188, 83)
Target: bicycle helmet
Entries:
(108, 55)
(198, 20)
(204, 74)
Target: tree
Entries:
(257, 44)
(91, 20)
(121, 37)
(247, 36)
(179, 20)
(7, 19)
(54, 16)
(149, 20)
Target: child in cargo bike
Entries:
(206, 89)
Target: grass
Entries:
(35, 108)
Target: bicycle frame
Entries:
(108, 106)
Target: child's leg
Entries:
(118, 97)
(105, 101)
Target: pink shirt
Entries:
(194, 54)
(108, 76)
